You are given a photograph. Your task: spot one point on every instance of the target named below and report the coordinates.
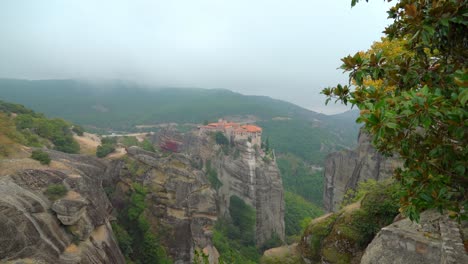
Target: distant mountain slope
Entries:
(120, 105)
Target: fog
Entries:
(288, 50)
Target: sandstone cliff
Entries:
(72, 229)
(345, 169)
(246, 173)
(181, 205)
(258, 183)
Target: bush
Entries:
(55, 191)
(41, 156)
(104, 150)
(79, 130)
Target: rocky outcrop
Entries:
(72, 229)
(243, 171)
(258, 182)
(436, 239)
(181, 205)
(345, 169)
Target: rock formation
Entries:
(258, 183)
(345, 169)
(72, 229)
(436, 239)
(181, 203)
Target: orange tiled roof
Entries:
(252, 128)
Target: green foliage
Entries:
(104, 150)
(55, 191)
(31, 127)
(41, 156)
(287, 258)
(124, 240)
(228, 242)
(79, 130)
(129, 141)
(133, 231)
(109, 140)
(235, 238)
(308, 135)
(416, 104)
(212, 176)
(272, 242)
(317, 232)
(379, 206)
(147, 145)
(221, 139)
(244, 217)
(298, 178)
(305, 139)
(298, 209)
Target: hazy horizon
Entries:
(287, 51)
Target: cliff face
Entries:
(245, 173)
(181, 204)
(258, 183)
(72, 229)
(345, 169)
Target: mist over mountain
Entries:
(122, 106)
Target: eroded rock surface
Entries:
(256, 181)
(73, 229)
(436, 239)
(180, 202)
(345, 169)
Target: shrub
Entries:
(104, 150)
(55, 191)
(41, 156)
(79, 130)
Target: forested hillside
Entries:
(301, 138)
(19, 125)
(120, 106)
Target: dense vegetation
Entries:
(119, 107)
(107, 147)
(338, 238)
(298, 213)
(304, 139)
(33, 129)
(235, 238)
(136, 239)
(299, 178)
(212, 176)
(413, 101)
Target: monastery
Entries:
(235, 131)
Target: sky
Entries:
(288, 50)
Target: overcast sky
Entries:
(286, 49)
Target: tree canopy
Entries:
(412, 91)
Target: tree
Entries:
(413, 102)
